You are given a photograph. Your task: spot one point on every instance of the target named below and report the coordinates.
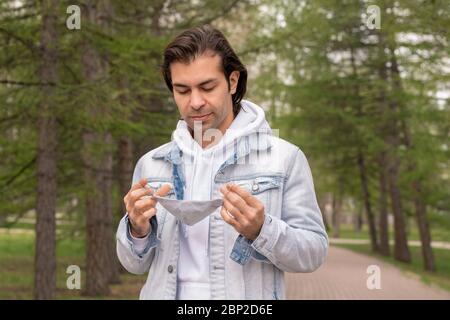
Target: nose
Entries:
(197, 100)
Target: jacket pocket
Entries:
(264, 188)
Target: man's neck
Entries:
(214, 135)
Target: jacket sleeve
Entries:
(298, 241)
(137, 262)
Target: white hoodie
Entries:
(200, 167)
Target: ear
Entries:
(234, 78)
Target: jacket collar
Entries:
(169, 152)
(259, 141)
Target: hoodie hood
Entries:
(251, 120)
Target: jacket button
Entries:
(170, 268)
(255, 186)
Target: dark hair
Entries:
(194, 42)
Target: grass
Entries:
(17, 270)
(440, 278)
(437, 234)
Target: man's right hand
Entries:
(141, 207)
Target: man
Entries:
(223, 148)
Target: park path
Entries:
(343, 276)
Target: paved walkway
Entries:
(344, 276)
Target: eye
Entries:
(182, 92)
(208, 89)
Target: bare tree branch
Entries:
(19, 173)
(28, 44)
(26, 84)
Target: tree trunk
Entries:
(45, 257)
(124, 174)
(322, 206)
(361, 160)
(97, 275)
(401, 250)
(367, 205)
(98, 171)
(389, 130)
(336, 216)
(419, 204)
(110, 223)
(358, 219)
(424, 229)
(125, 168)
(383, 221)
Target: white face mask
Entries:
(189, 212)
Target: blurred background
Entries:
(362, 87)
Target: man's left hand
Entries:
(242, 210)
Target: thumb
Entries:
(163, 190)
(143, 182)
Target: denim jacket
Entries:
(292, 238)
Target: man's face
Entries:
(201, 92)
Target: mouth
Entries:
(201, 118)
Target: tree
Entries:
(362, 102)
(45, 257)
(97, 158)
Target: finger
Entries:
(139, 193)
(163, 190)
(238, 216)
(237, 201)
(244, 194)
(149, 213)
(224, 190)
(144, 204)
(227, 218)
(140, 184)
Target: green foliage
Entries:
(313, 65)
(320, 76)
